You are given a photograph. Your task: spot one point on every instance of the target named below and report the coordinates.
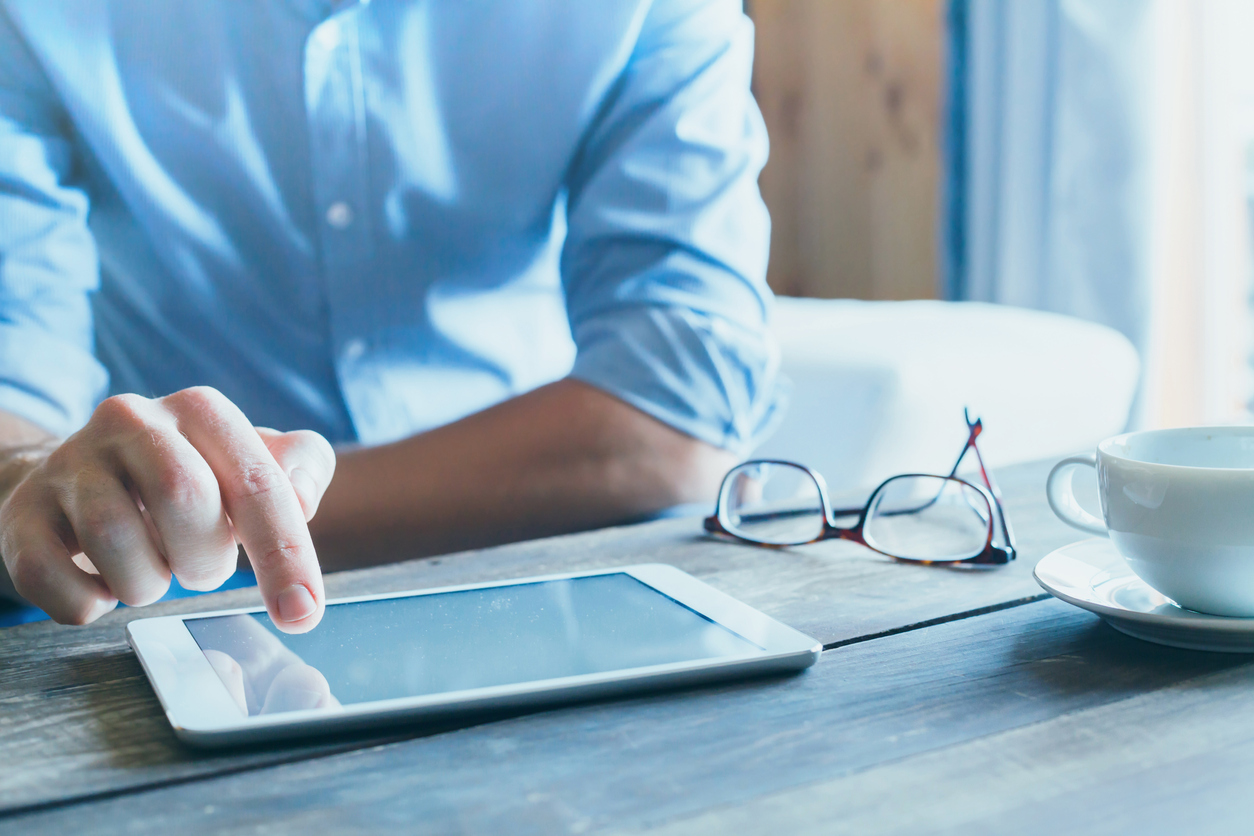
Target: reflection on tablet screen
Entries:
(453, 641)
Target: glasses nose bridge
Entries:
(853, 534)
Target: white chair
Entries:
(879, 387)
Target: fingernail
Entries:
(295, 603)
(305, 488)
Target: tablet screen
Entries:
(452, 641)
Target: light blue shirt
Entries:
(371, 219)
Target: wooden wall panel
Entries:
(851, 92)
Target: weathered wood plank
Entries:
(1176, 760)
(646, 761)
(78, 718)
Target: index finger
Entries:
(261, 503)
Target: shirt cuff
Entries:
(704, 376)
(46, 381)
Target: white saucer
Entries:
(1091, 575)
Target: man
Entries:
(509, 255)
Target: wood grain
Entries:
(1176, 760)
(644, 762)
(77, 717)
(851, 94)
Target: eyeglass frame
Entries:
(991, 555)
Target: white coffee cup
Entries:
(1179, 506)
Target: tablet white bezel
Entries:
(201, 711)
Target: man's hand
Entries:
(151, 488)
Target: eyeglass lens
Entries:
(928, 518)
(775, 503)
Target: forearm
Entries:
(562, 458)
(22, 447)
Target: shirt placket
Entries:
(336, 112)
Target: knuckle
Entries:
(259, 479)
(95, 513)
(97, 523)
(284, 553)
(122, 412)
(85, 486)
(105, 543)
(183, 490)
(199, 399)
(106, 529)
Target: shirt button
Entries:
(340, 215)
(354, 349)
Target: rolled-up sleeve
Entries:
(48, 264)
(664, 264)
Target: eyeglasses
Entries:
(916, 517)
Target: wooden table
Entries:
(946, 700)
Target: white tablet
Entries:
(230, 677)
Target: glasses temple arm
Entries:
(974, 429)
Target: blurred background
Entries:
(1093, 158)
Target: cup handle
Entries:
(1062, 500)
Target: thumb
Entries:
(308, 460)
